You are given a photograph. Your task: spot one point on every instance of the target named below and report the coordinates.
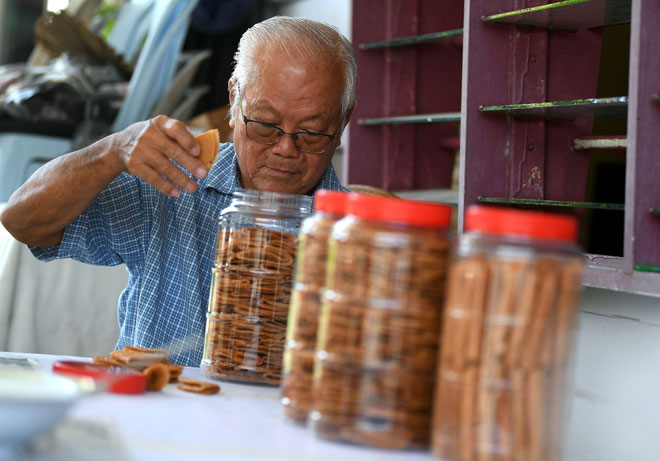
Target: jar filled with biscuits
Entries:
(329, 207)
(377, 347)
(251, 285)
(508, 333)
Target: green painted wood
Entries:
(568, 14)
(644, 268)
(616, 107)
(418, 118)
(414, 40)
(553, 203)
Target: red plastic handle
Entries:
(113, 379)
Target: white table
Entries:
(242, 422)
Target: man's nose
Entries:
(286, 146)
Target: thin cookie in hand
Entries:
(199, 387)
(209, 141)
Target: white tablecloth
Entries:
(242, 422)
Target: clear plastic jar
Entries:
(251, 286)
(375, 365)
(329, 207)
(508, 332)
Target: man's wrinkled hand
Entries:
(148, 149)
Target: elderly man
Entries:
(140, 197)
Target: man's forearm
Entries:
(58, 192)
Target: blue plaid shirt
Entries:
(167, 245)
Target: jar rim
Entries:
(302, 203)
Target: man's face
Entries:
(295, 96)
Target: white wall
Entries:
(616, 402)
(333, 12)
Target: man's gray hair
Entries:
(296, 36)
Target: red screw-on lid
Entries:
(507, 221)
(331, 201)
(395, 210)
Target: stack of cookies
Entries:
(155, 365)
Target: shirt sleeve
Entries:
(110, 231)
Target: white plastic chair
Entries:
(130, 28)
(176, 96)
(157, 61)
(21, 154)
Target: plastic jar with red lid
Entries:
(507, 340)
(306, 298)
(377, 347)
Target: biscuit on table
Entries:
(106, 361)
(158, 375)
(209, 141)
(199, 387)
(138, 359)
(128, 347)
(175, 372)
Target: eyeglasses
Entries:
(267, 133)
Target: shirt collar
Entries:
(224, 174)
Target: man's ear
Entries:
(230, 87)
(347, 118)
(349, 112)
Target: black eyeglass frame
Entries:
(294, 135)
